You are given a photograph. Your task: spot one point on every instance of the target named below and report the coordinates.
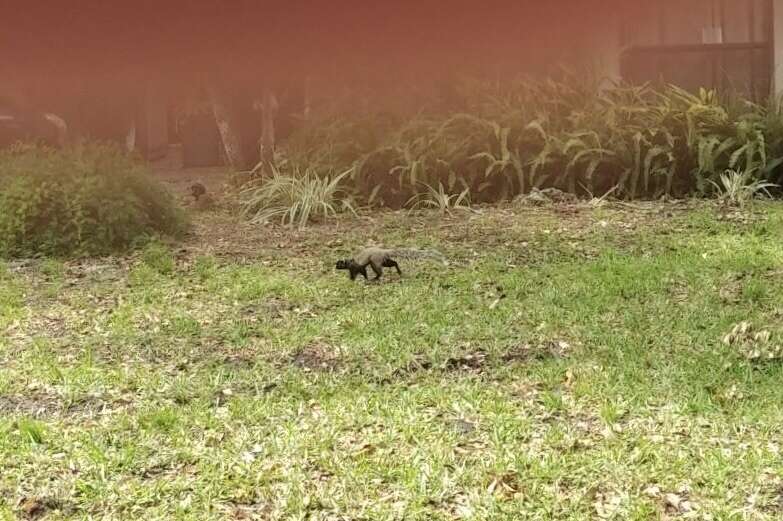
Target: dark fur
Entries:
(197, 190)
(354, 269)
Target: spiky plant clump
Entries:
(441, 200)
(740, 188)
(295, 197)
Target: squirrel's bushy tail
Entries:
(413, 253)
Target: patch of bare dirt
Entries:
(318, 357)
(240, 360)
(535, 352)
(469, 362)
(35, 405)
(37, 507)
(417, 364)
(51, 325)
(46, 405)
(476, 361)
(730, 291)
(547, 196)
(248, 510)
(753, 344)
(276, 307)
(774, 503)
(679, 504)
(739, 216)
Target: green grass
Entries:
(214, 385)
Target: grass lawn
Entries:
(238, 376)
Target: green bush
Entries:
(502, 139)
(86, 200)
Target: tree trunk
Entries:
(61, 129)
(268, 127)
(228, 127)
(130, 135)
(306, 101)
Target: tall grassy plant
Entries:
(295, 198)
(503, 139)
(441, 200)
(738, 188)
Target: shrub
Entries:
(295, 197)
(504, 139)
(740, 188)
(86, 200)
(440, 200)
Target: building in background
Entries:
(730, 45)
(109, 91)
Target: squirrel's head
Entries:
(197, 190)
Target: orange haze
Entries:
(390, 40)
